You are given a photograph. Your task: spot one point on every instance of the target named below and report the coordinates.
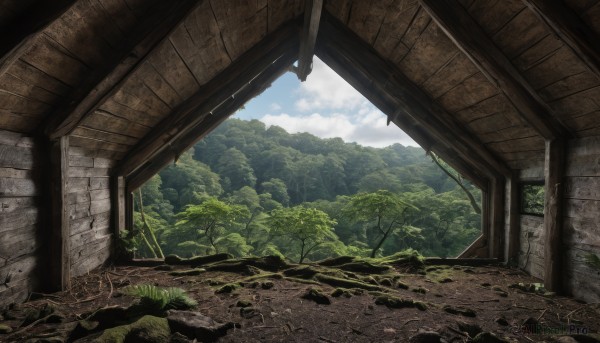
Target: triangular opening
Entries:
(236, 190)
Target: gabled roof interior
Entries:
(68, 65)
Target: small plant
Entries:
(160, 299)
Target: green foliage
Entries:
(532, 199)
(220, 195)
(307, 227)
(155, 298)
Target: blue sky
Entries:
(326, 106)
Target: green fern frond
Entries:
(158, 298)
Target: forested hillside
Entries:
(250, 190)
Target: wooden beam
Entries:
(497, 218)
(209, 96)
(247, 92)
(60, 239)
(405, 122)
(23, 32)
(118, 200)
(383, 80)
(103, 83)
(514, 230)
(468, 36)
(312, 16)
(567, 25)
(553, 216)
(128, 209)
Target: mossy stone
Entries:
(148, 329)
(4, 329)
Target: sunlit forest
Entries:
(246, 189)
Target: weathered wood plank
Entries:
(312, 16)
(513, 233)
(385, 79)
(16, 157)
(209, 96)
(565, 23)
(248, 91)
(497, 205)
(462, 29)
(98, 221)
(118, 203)
(88, 172)
(19, 242)
(25, 30)
(90, 256)
(18, 188)
(100, 84)
(82, 184)
(86, 209)
(18, 217)
(584, 188)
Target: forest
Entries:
(247, 189)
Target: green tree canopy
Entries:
(306, 227)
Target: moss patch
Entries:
(317, 296)
(146, 329)
(344, 283)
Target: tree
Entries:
(234, 168)
(209, 221)
(308, 227)
(384, 213)
(278, 190)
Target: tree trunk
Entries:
(474, 204)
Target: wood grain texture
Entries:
(464, 31)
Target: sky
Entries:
(326, 106)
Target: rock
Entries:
(488, 337)
(426, 337)
(446, 280)
(394, 302)
(467, 312)
(148, 329)
(316, 296)
(228, 288)
(243, 303)
(267, 285)
(486, 284)
(585, 338)
(471, 329)
(501, 321)
(402, 285)
(4, 329)
(197, 326)
(420, 290)
(565, 339)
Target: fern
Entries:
(162, 299)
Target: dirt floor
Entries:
(405, 303)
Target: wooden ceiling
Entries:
(125, 77)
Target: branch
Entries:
(474, 204)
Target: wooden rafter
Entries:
(102, 84)
(497, 216)
(210, 95)
(553, 219)
(566, 24)
(468, 36)
(247, 91)
(383, 79)
(312, 16)
(405, 122)
(25, 31)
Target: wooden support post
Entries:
(514, 231)
(312, 16)
(128, 210)
(571, 29)
(118, 200)
(553, 218)
(497, 217)
(60, 241)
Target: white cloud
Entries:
(368, 128)
(325, 89)
(275, 107)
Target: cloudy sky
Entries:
(326, 106)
